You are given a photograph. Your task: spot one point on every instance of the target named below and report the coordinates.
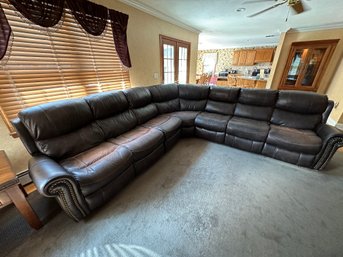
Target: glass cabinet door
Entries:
(306, 64)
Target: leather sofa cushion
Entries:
(212, 121)
(118, 124)
(56, 118)
(253, 112)
(107, 104)
(138, 97)
(187, 117)
(220, 107)
(296, 140)
(192, 105)
(301, 102)
(167, 124)
(143, 114)
(193, 92)
(193, 98)
(224, 94)
(140, 141)
(168, 106)
(72, 143)
(259, 97)
(163, 93)
(255, 130)
(97, 166)
(166, 98)
(295, 120)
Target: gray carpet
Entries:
(205, 199)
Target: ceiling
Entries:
(221, 26)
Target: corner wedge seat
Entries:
(296, 140)
(98, 166)
(141, 142)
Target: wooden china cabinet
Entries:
(306, 64)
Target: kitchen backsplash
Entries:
(224, 60)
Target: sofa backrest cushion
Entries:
(107, 104)
(140, 101)
(256, 103)
(222, 100)
(166, 97)
(298, 109)
(62, 128)
(193, 97)
(112, 113)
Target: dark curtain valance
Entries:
(46, 13)
(5, 33)
(119, 26)
(91, 16)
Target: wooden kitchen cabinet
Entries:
(235, 59)
(264, 55)
(242, 57)
(250, 58)
(261, 83)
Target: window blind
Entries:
(47, 64)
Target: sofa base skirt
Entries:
(106, 193)
(244, 144)
(171, 141)
(213, 136)
(148, 160)
(300, 159)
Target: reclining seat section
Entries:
(166, 100)
(292, 136)
(211, 124)
(249, 127)
(145, 144)
(193, 100)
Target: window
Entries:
(209, 62)
(47, 64)
(175, 56)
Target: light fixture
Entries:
(240, 10)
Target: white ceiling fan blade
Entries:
(258, 1)
(267, 9)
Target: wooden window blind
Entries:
(47, 64)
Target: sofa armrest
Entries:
(52, 180)
(332, 139)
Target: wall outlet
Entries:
(155, 75)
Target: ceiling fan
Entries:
(296, 5)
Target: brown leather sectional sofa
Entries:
(85, 150)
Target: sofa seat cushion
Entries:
(97, 166)
(212, 121)
(140, 141)
(296, 140)
(255, 130)
(187, 117)
(167, 124)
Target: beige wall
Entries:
(330, 82)
(143, 40)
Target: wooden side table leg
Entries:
(19, 200)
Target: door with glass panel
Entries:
(306, 64)
(174, 60)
